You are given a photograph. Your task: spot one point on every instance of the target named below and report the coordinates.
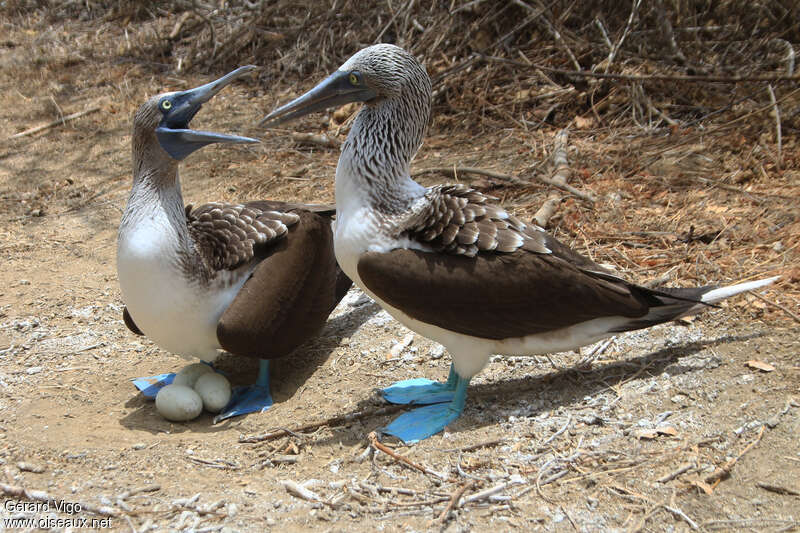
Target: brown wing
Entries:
(457, 220)
(497, 295)
(295, 288)
(228, 236)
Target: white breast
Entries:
(177, 314)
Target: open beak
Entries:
(174, 133)
(333, 91)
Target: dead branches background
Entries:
(492, 62)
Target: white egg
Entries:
(215, 390)
(178, 403)
(188, 375)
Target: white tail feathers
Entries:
(716, 295)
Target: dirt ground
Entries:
(666, 429)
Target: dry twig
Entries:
(724, 471)
(777, 489)
(777, 114)
(54, 123)
(779, 306)
(373, 440)
(453, 503)
(560, 175)
(330, 422)
(300, 491)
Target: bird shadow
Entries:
(573, 385)
(287, 375)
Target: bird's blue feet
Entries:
(421, 391)
(423, 422)
(255, 398)
(150, 385)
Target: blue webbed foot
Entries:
(421, 391)
(255, 398)
(423, 422)
(150, 385)
(249, 399)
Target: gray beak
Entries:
(333, 91)
(174, 134)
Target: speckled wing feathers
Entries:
(457, 220)
(228, 236)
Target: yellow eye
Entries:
(354, 79)
(166, 104)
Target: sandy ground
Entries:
(636, 439)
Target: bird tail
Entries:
(673, 303)
(717, 295)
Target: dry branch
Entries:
(453, 503)
(300, 491)
(54, 123)
(666, 30)
(615, 50)
(331, 422)
(652, 77)
(560, 176)
(777, 489)
(317, 139)
(783, 308)
(552, 29)
(375, 443)
(777, 114)
(724, 471)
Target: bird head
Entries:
(372, 75)
(169, 115)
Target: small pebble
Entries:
(30, 467)
(436, 352)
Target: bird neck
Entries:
(156, 196)
(378, 151)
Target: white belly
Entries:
(178, 315)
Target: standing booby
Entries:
(256, 279)
(448, 263)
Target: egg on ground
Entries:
(178, 403)
(188, 375)
(215, 391)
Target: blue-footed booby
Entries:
(255, 279)
(447, 262)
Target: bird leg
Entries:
(250, 399)
(423, 422)
(421, 391)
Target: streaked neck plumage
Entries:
(384, 138)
